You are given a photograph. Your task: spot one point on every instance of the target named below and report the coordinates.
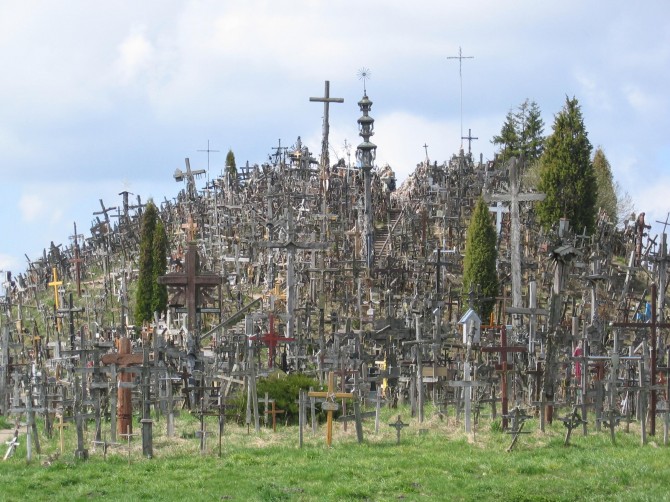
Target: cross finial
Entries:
(425, 147)
(364, 74)
(460, 58)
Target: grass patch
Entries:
(441, 464)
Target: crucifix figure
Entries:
(514, 196)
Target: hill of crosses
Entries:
(333, 269)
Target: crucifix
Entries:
(504, 350)
(514, 196)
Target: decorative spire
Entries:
(366, 151)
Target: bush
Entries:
(285, 389)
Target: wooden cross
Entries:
(514, 196)
(504, 350)
(77, 260)
(274, 412)
(55, 283)
(190, 227)
(499, 210)
(329, 404)
(272, 340)
(460, 58)
(192, 282)
(469, 137)
(653, 325)
(467, 383)
(326, 100)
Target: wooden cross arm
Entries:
(504, 349)
(123, 360)
(336, 395)
(527, 311)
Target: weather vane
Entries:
(364, 74)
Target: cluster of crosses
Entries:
(327, 268)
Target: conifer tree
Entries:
(231, 167)
(522, 133)
(566, 172)
(606, 196)
(145, 287)
(479, 265)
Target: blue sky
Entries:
(101, 97)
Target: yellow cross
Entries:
(330, 396)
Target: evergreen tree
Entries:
(145, 287)
(508, 140)
(566, 172)
(531, 131)
(231, 168)
(606, 198)
(521, 134)
(159, 297)
(479, 265)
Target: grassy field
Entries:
(434, 461)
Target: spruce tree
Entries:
(566, 172)
(521, 134)
(145, 287)
(479, 265)
(508, 140)
(606, 196)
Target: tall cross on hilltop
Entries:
(460, 58)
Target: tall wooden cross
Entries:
(192, 281)
(77, 258)
(460, 58)
(291, 245)
(326, 100)
(514, 196)
(329, 404)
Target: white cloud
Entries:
(135, 55)
(32, 207)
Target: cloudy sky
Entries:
(101, 97)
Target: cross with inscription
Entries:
(329, 405)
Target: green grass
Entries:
(440, 464)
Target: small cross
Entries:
(398, 425)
